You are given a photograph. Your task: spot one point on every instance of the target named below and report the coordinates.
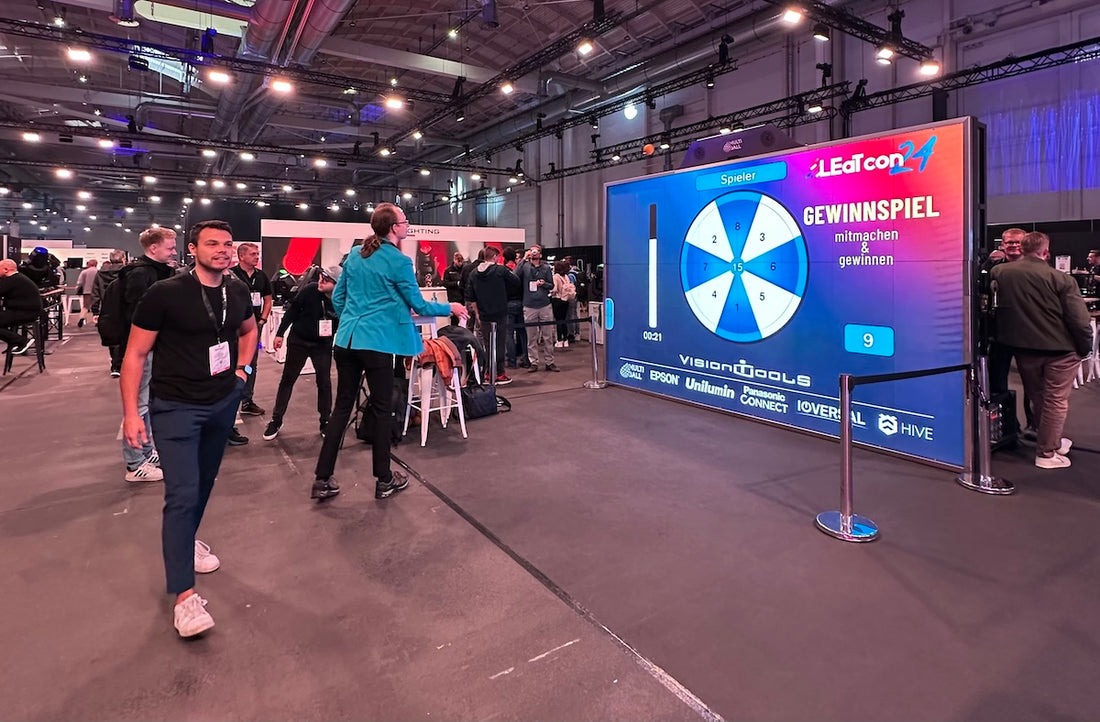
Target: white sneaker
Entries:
(154, 458)
(146, 472)
(1052, 462)
(565, 343)
(205, 562)
(191, 617)
(1065, 447)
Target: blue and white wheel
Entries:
(743, 266)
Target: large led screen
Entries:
(751, 286)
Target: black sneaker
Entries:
(80, 323)
(398, 482)
(18, 349)
(249, 408)
(272, 430)
(552, 367)
(533, 369)
(236, 438)
(525, 363)
(324, 489)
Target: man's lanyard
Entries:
(218, 327)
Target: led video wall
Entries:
(750, 286)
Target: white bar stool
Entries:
(442, 395)
(68, 306)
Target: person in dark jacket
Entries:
(20, 302)
(488, 295)
(464, 285)
(108, 273)
(312, 321)
(452, 279)
(1041, 317)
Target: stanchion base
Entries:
(986, 484)
(863, 529)
(595, 384)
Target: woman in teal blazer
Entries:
(374, 298)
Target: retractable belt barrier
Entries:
(845, 524)
(595, 383)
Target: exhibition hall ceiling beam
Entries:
(859, 28)
(198, 59)
(404, 60)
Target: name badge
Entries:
(534, 285)
(325, 329)
(219, 358)
(257, 299)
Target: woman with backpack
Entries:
(564, 292)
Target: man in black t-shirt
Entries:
(259, 291)
(20, 302)
(200, 325)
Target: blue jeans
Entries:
(516, 340)
(191, 441)
(136, 457)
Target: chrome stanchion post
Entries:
(492, 351)
(595, 383)
(982, 479)
(844, 524)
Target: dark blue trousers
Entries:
(191, 439)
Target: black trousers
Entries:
(296, 354)
(117, 352)
(351, 366)
(486, 331)
(561, 312)
(11, 319)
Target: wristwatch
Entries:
(246, 368)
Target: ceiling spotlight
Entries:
(154, 199)
(83, 195)
(204, 201)
(884, 54)
(393, 82)
(710, 81)
(279, 85)
(630, 112)
(27, 205)
(241, 185)
(452, 33)
(303, 206)
(150, 179)
(507, 88)
(349, 192)
(792, 15)
(59, 21)
(127, 230)
(814, 108)
(188, 201)
(319, 162)
(209, 153)
(106, 143)
(261, 204)
(79, 55)
(82, 78)
(92, 217)
(200, 182)
(177, 227)
(585, 46)
(80, 206)
(665, 145)
(287, 188)
(64, 173)
(395, 103)
(87, 228)
(460, 115)
(425, 171)
(616, 157)
(724, 130)
(31, 137)
(118, 224)
(42, 227)
(475, 176)
(218, 76)
(513, 180)
(154, 225)
(417, 135)
(384, 152)
(821, 32)
(930, 66)
(129, 209)
(334, 207)
(406, 195)
(247, 156)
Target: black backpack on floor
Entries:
(364, 429)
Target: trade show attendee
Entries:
(312, 321)
(201, 326)
(515, 350)
(452, 279)
(259, 291)
(537, 280)
(464, 284)
(135, 280)
(84, 284)
(1000, 355)
(103, 278)
(427, 272)
(1041, 317)
(373, 297)
(489, 286)
(563, 292)
(1093, 267)
(20, 302)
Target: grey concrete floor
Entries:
(590, 555)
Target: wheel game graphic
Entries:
(744, 266)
